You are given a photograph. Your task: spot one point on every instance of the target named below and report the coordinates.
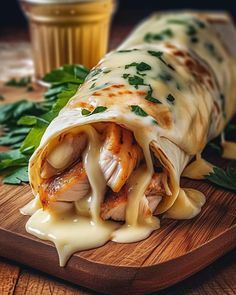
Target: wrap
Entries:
(171, 84)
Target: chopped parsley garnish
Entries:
(22, 82)
(166, 77)
(141, 74)
(213, 52)
(142, 66)
(135, 81)
(2, 97)
(177, 22)
(30, 88)
(125, 76)
(138, 111)
(200, 23)
(92, 86)
(95, 72)
(165, 34)
(194, 40)
(149, 96)
(106, 71)
(170, 98)
(224, 178)
(155, 122)
(127, 50)
(191, 31)
(99, 109)
(159, 54)
(24, 122)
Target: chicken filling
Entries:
(64, 177)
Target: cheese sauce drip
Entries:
(78, 226)
(68, 230)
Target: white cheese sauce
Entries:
(79, 227)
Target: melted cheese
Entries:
(63, 221)
(198, 169)
(187, 205)
(32, 206)
(69, 232)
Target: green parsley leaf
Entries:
(67, 74)
(35, 118)
(138, 111)
(213, 51)
(99, 109)
(163, 35)
(127, 50)
(106, 71)
(22, 82)
(177, 22)
(170, 98)
(135, 80)
(85, 112)
(166, 77)
(92, 86)
(149, 96)
(17, 176)
(159, 54)
(191, 31)
(142, 66)
(30, 88)
(200, 23)
(224, 178)
(125, 76)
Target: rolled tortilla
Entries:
(171, 83)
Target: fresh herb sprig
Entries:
(223, 178)
(24, 122)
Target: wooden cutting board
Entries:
(172, 253)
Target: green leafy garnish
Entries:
(159, 54)
(99, 109)
(24, 122)
(135, 81)
(165, 34)
(22, 82)
(67, 74)
(223, 178)
(166, 77)
(170, 98)
(142, 66)
(138, 111)
(2, 97)
(17, 176)
(125, 76)
(30, 88)
(213, 51)
(149, 96)
(127, 50)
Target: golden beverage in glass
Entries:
(68, 31)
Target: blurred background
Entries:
(11, 14)
(86, 48)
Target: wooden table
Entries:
(218, 278)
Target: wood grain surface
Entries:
(177, 250)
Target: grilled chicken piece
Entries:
(69, 186)
(119, 156)
(114, 204)
(64, 154)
